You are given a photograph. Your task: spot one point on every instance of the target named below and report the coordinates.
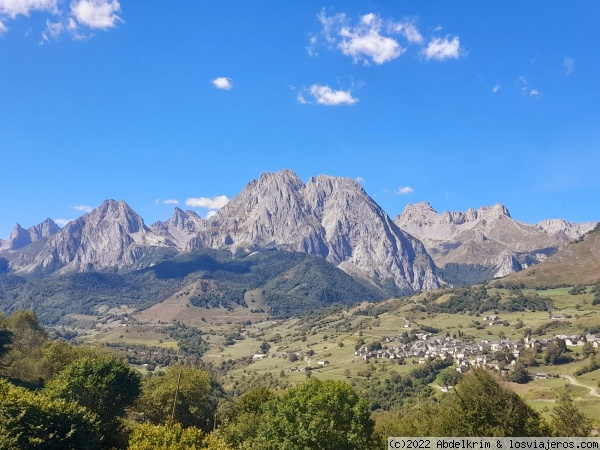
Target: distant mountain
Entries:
(181, 228)
(21, 237)
(573, 231)
(486, 238)
(329, 217)
(575, 263)
(289, 283)
(111, 236)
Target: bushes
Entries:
(30, 420)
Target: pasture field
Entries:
(332, 336)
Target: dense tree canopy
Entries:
(30, 420)
(319, 415)
(103, 384)
(173, 437)
(193, 405)
(479, 406)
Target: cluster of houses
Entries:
(467, 353)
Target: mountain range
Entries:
(488, 237)
(331, 218)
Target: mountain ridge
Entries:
(488, 236)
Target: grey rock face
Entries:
(181, 228)
(573, 231)
(112, 235)
(20, 237)
(487, 236)
(329, 217)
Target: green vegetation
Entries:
(310, 362)
(183, 394)
(30, 420)
(316, 415)
(292, 284)
(456, 274)
(104, 385)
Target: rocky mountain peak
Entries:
(21, 237)
(112, 235)
(488, 236)
(18, 238)
(329, 217)
(498, 210)
(573, 231)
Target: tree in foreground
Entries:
(483, 407)
(30, 420)
(173, 437)
(568, 421)
(104, 385)
(320, 415)
(192, 406)
(239, 422)
(479, 406)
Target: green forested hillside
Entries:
(291, 283)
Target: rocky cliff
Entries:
(329, 217)
(488, 236)
(111, 236)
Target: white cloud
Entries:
(369, 40)
(534, 92)
(62, 222)
(495, 88)
(360, 179)
(366, 41)
(222, 83)
(409, 31)
(171, 201)
(210, 214)
(324, 95)
(95, 14)
(404, 190)
(100, 14)
(83, 208)
(374, 39)
(207, 202)
(569, 65)
(441, 49)
(14, 8)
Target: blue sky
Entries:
(162, 102)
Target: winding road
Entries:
(593, 390)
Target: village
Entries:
(465, 352)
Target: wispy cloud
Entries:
(207, 202)
(360, 179)
(82, 208)
(569, 64)
(171, 201)
(525, 89)
(62, 222)
(374, 39)
(404, 190)
(324, 95)
(223, 83)
(76, 19)
(100, 14)
(14, 8)
(365, 41)
(440, 49)
(495, 89)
